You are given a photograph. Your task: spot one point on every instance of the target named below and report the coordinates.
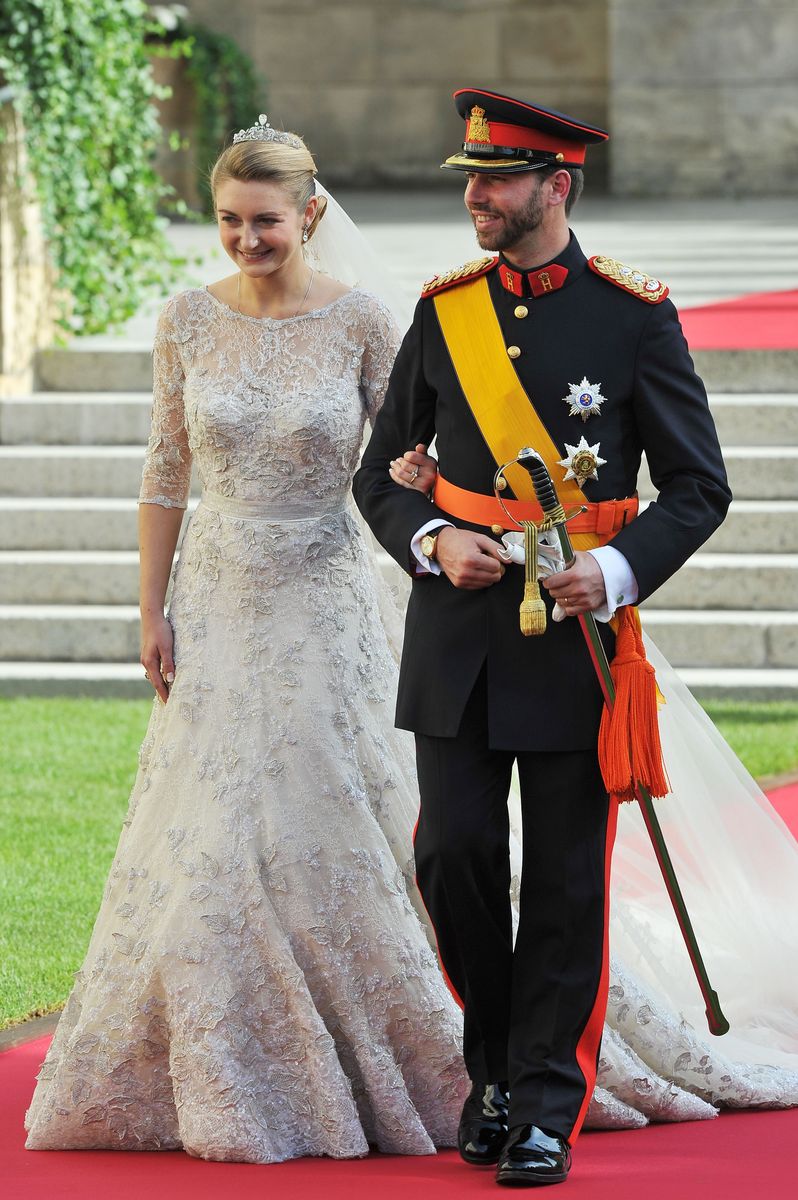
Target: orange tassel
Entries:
(629, 746)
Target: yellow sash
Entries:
(629, 748)
(503, 411)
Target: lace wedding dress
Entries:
(259, 983)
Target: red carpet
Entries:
(739, 1156)
(761, 321)
(785, 801)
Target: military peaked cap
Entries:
(507, 135)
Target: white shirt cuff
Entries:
(427, 566)
(619, 581)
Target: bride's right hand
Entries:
(157, 654)
(415, 469)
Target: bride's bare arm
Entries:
(159, 529)
(163, 498)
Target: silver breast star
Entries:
(584, 399)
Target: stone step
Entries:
(41, 471)
(707, 581)
(126, 680)
(114, 418)
(761, 526)
(755, 420)
(108, 369)
(68, 577)
(110, 633)
(76, 419)
(717, 683)
(79, 368)
(733, 638)
(119, 680)
(69, 633)
(747, 370)
(731, 582)
(755, 473)
(83, 523)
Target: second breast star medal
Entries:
(582, 462)
(585, 399)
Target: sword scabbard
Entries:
(547, 498)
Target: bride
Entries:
(258, 984)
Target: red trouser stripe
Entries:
(449, 984)
(587, 1048)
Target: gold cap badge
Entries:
(478, 128)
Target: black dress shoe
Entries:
(531, 1157)
(483, 1124)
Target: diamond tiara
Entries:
(263, 132)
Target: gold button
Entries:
(522, 311)
(513, 352)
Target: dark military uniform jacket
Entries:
(542, 691)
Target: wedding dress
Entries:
(259, 983)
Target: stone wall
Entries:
(369, 82)
(700, 96)
(704, 97)
(26, 278)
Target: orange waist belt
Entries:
(603, 518)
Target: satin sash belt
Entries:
(603, 518)
(267, 510)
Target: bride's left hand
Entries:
(415, 469)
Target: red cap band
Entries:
(522, 138)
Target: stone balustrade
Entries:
(27, 303)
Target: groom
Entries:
(593, 351)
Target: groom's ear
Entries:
(559, 187)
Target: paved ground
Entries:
(705, 250)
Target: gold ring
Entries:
(414, 475)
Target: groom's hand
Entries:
(470, 560)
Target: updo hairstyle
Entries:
(292, 167)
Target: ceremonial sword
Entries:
(546, 495)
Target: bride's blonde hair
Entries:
(292, 167)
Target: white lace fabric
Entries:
(259, 984)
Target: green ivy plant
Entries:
(229, 91)
(81, 80)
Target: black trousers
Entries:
(534, 1012)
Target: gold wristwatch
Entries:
(429, 543)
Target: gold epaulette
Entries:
(645, 287)
(470, 270)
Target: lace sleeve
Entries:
(382, 343)
(167, 466)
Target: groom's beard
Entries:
(514, 226)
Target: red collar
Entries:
(541, 281)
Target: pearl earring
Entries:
(305, 234)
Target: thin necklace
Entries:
(301, 303)
(307, 293)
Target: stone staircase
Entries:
(70, 461)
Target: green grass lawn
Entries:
(66, 768)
